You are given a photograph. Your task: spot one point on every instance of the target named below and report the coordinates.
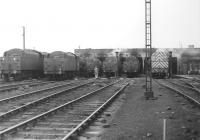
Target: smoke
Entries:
(119, 50)
(176, 52)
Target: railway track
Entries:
(190, 90)
(2, 83)
(12, 106)
(190, 93)
(8, 96)
(11, 82)
(13, 86)
(187, 83)
(191, 83)
(61, 117)
(192, 78)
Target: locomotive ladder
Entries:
(148, 50)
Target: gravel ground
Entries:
(140, 119)
(132, 117)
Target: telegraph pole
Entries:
(148, 50)
(117, 67)
(23, 37)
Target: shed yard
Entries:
(140, 119)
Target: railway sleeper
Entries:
(40, 116)
(60, 125)
(39, 101)
(34, 135)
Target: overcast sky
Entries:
(67, 24)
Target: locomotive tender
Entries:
(21, 64)
(24, 64)
(131, 66)
(110, 66)
(61, 65)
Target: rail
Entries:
(189, 98)
(34, 119)
(92, 116)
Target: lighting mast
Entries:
(148, 50)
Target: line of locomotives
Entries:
(110, 66)
(25, 64)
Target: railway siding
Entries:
(84, 123)
(9, 87)
(192, 94)
(94, 99)
(79, 113)
(40, 103)
(26, 89)
(26, 103)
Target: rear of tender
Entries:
(131, 66)
(20, 64)
(61, 65)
